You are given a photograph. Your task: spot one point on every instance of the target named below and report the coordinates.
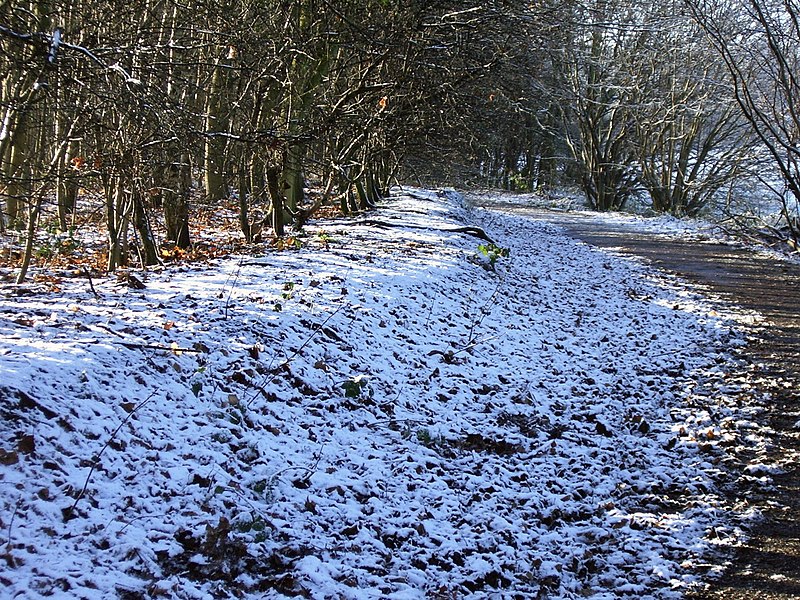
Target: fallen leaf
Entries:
(26, 444)
(602, 429)
(8, 458)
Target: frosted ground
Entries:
(754, 219)
(389, 408)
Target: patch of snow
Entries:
(379, 414)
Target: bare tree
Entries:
(691, 139)
(597, 90)
(759, 42)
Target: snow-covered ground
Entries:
(712, 228)
(391, 409)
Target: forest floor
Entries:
(384, 406)
(767, 565)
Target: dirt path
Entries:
(768, 566)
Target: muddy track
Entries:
(768, 566)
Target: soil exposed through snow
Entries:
(768, 565)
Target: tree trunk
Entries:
(33, 216)
(276, 196)
(66, 191)
(293, 178)
(119, 207)
(142, 224)
(244, 203)
(214, 167)
(175, 202)
(18, 175)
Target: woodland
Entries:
(224, 375)
(138, 119)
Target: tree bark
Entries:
(276, 196)
(175, 202)
(214, 159)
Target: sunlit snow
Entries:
(382, 413)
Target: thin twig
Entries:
(393, 422)
(473, 231)
(484, 312)
(145, 346)
(317, 456)
(11, 524)
(233, 285)
(91, 284)
(173, 349)
(276, 371)
(475, 343)
(68, 514)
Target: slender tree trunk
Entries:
(214, 146)
(18, 174)
(66, 190)
(175, 199)
(244, 200)
(33, 216)
(363, 199)
(293, 177)
(276, 196)
(142, 224)
(114, 201)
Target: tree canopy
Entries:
(156, 106)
